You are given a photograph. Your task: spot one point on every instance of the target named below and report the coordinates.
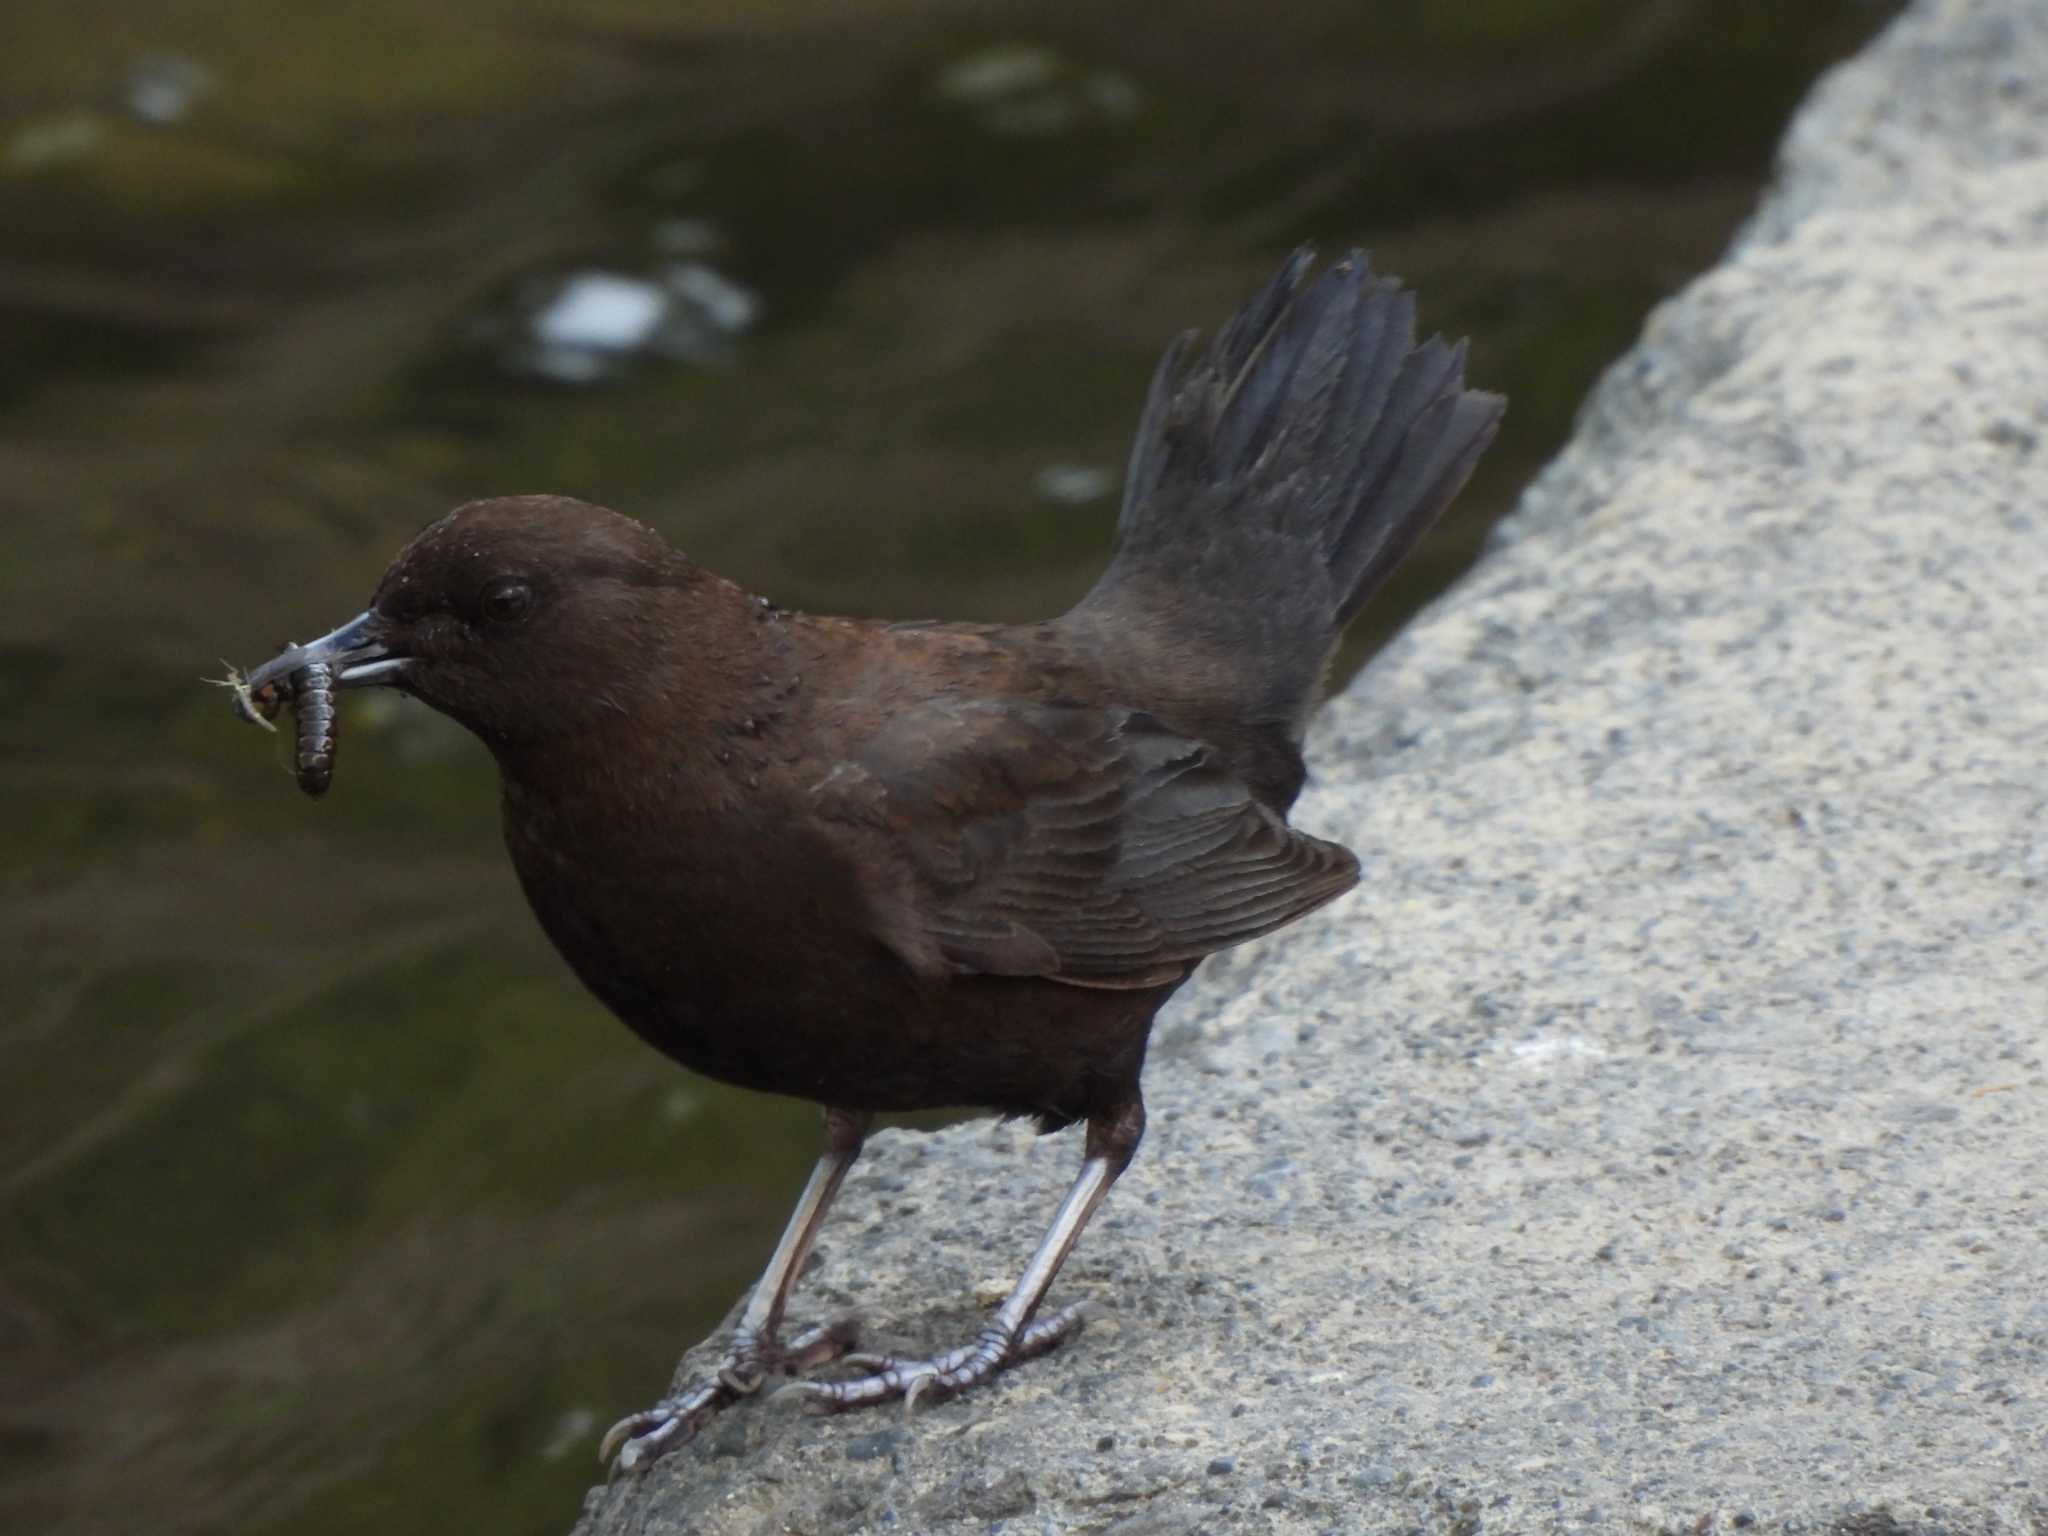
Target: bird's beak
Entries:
(357, 652)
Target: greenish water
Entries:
(327, 1202)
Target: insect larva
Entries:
(313, 703)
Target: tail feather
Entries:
(1277, 479)
(1395, 497)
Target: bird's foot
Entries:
(639, 1438)
(942, 1376)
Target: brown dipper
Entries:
(905, 866)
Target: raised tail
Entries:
(1276, 481)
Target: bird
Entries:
(901, 866)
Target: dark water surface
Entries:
(327, 1202)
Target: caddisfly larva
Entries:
(313, 703)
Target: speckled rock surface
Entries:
(1659, 1141)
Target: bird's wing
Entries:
(1084, 844)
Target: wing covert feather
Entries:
(1068, 841)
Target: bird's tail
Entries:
(1278, 477)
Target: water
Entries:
(327, 1202)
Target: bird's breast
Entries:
(731, 941)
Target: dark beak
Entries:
(355, 651)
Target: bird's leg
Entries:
(1012, 1335)
(757, 1347)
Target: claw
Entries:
(920, 1381)
(631, 1425)
(648, 1446)
(641, 1438)
(942, 1376)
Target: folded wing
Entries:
(1088, 845)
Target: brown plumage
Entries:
(901, 866)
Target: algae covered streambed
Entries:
(327, 1201)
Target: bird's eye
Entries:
(506, 600)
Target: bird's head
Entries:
(522, 618)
